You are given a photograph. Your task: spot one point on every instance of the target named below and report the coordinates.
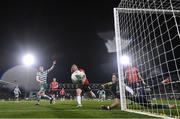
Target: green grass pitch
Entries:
(62, 109)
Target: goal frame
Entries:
(119, 53)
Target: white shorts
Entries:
(16, 95)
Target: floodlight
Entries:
(28, 59)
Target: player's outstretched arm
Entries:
(37, 79)
(139, 75)
(52, 67)
(107, 85)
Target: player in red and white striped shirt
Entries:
(54, 88)
(134, 78)
(62, 94)
(83, 86)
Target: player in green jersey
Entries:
(41, 78)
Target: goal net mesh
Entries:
(152, 77)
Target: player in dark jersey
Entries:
(114, 86)
(141, 100)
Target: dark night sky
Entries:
(63, 29)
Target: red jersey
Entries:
(62, 92)
(81, 70)
(132, 75)
(86, 81)
(54, 85)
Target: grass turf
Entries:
(168, 112)
(65, 109)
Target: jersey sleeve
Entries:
(81, 70)
(137, 71)
(47, 71)
(37, 75)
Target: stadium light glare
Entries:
(28, 59)
(124, 60)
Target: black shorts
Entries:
(115, 90)
(84, 88)
(117, 96)
(54, 92)
(62, 96)
(136, 86)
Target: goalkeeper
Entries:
(142, 100)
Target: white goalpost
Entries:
(151, 28)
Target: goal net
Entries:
(150, 81)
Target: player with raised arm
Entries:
(79, 77)
(41, 78)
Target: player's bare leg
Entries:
(78, 94)
(17, 98)
(173, 106)
(46, 96)
(91, 93)
(42, 94)
(38, 98)
(115, 104)
(54, 98)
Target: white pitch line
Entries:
(58, 110)
(73, 110)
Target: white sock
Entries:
(130, 90)
(38, 98)
(79, 100)
(46, 96)
(93, 95)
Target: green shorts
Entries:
(43, 87)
